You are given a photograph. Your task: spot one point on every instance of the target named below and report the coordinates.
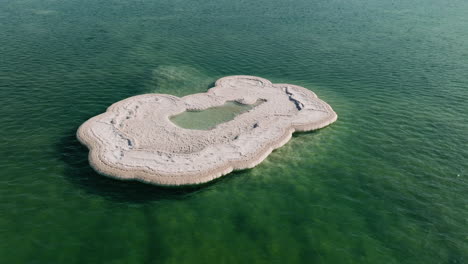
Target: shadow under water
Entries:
(79, 172)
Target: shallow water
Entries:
(210, 117)
(387, 183)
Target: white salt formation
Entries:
(135, 139)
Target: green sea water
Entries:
(386, 183)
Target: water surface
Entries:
(386, 183)
(211, 117)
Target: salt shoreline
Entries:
(135, 140)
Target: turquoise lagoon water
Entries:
(387, 183)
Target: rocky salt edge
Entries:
(135, 139)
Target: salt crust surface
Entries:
(135, 140)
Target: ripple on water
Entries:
(385, 184)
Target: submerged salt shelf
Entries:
(136, 140)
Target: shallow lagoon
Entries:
(211, 117)
(387, 183)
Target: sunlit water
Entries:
(386, 183)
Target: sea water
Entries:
(386, 183)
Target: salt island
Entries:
(136, 138)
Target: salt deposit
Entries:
(135, 139)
